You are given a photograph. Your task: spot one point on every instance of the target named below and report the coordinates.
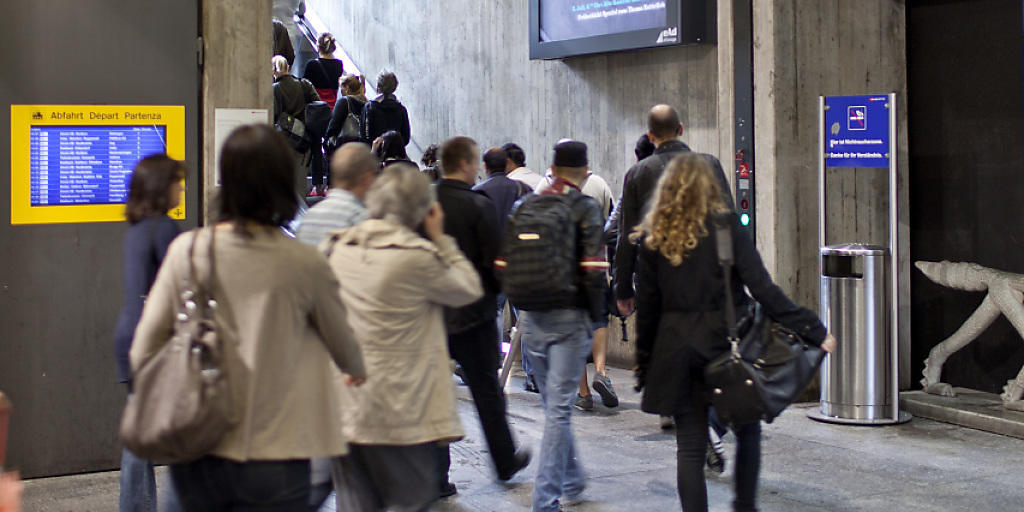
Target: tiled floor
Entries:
(808, 466)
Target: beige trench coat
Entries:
(394, 284)
(288, 330)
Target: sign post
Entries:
(860, 131)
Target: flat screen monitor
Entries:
(564, 28)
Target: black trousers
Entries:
(692, 445)
(213, 484)
(476, 350)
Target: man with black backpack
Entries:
(552, 267)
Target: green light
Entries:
(745, 219)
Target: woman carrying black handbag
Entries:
(681, 324)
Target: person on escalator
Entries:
(385, 112)
(325, 71)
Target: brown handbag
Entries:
(181, 405)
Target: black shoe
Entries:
(715, 461)
(520, 460)
(667, 423)
(530, 385)
(448, 489)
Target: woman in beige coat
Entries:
(284, 330)
(394, 285)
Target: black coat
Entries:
(145, 245)
(340, 112)
(470, 218)
(291, 95)
(637, 190)
(383, 114)
(504, 193)
(680, 323)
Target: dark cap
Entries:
(570, 153)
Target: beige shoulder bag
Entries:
(181, 406)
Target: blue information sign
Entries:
(857, 131)
(73, 165)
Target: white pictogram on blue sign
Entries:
(857, 118)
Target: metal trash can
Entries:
(857, 380)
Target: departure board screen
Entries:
(82, 165)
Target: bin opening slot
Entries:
(836, 265)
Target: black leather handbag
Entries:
(766, 368)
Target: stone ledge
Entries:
(970, 408)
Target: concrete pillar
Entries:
(803, 50)
(237, 39)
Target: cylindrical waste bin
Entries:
(857, 384)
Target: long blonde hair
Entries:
(687, 193)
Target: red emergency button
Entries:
(744, 170)
(744, 204)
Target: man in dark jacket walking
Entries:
(664, 130)
(501, 190)
(504, 192)
(471, 219)
(385, 112)
(557, 319)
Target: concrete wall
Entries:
(463, 69)
(803, 50)
(237, 37)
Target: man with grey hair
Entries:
(394, 283)
(353, 169)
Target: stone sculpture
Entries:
(1005, 296)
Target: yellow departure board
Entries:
(73, 163)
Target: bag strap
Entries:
(726, 259)
(204, 290)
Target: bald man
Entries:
(353, 169)
(664, 130)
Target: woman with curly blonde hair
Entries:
(681, 324)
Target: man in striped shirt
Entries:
(353, 169)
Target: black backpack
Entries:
(538, 267)
(318, 114)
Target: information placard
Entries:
(857, 131)
(73, 163)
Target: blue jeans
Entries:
(557, 343)
(138, 484)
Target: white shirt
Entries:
(593, 186)
(526, 176)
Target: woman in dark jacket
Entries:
(352, 100)
(681, 326)
(155, 189)
(384, 112)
